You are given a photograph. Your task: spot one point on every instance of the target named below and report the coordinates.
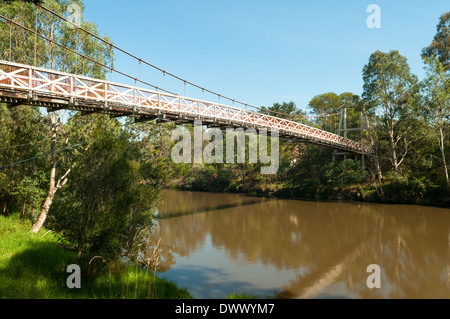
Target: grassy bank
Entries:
(34, 267)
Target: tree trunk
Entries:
(160, 141)
(54, 186)
(5, 205)
(43, 216)
(441, 146)
(379, 176)
(393, 152)
(52, 189)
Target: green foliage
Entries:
(109, 197)
(435, 93)
(306, 177)
(30, 1)
(390, 96)
(409, 188)
(19, 45)
(213, 178)
(30, 192)
(440, 46)
(331, 103)
(283, 110)
(387, 78)
(342, 173)
(22, 136)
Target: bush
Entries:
(343, 173)
(107, 199)
(409, 188)
(213, 178)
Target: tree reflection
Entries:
(328, 243)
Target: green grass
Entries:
(242, 295)
(132, 284)
(34, 267)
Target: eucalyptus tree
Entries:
(390, 93)
(112, 193)
(46, 40)
(440, 45)
(331, 104)
(22, 137)
(435, 89)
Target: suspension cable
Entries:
(82, 55)
(36, 157)
(111, 68)
(175, 76)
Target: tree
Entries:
(285, 110)
(330, 104)
(69, 35)
(17, 44)
(29, 1)
(109, 197)
(28, 48)
(389, 95)
(22, 137)
(436, 103)
(440, 46)
(54, 186)
(20, 45)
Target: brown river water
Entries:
(217, 244)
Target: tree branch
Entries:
(63, 179)
(404, 154)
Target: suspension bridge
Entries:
(23, 84)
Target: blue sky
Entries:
(263, 51)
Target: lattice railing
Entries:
(20, 77)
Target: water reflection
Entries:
(300, 249)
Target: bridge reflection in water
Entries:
(300, 249)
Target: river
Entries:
(216, 244)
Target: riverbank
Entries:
(34, 267)
(394, 191)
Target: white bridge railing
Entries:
(42, 82)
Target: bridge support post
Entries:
(363, 129)
(343, 131)
(344, 121)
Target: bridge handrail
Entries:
(79, 86)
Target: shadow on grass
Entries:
(37, 272)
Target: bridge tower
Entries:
(343, 131)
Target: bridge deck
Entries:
(25, 84)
